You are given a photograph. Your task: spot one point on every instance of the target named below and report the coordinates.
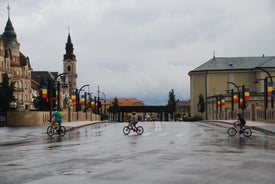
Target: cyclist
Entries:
(134, 120)
(57, 117)
(241, 122)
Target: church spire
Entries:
(69, 49)
(9, 34)
(8, 9)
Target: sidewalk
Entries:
(266, 127)
(15, 135)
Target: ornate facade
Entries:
(16, 65)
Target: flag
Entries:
(93, 103)
(56, 93)
(223, 101)
(44, 91)
(82, 99)
(235, 97)
(269, 88)
(73, 97)
(246, 94)
(241, 100)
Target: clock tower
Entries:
(69, 65)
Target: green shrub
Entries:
(194, 118)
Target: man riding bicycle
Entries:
(241, 122)
(57, 117)
(134, 120)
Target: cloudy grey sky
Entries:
(140, 48)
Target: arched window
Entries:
(69, 68)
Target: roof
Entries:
(9, 34)
(121, 100)
(236, 63)
(182, 103)
(39, 75)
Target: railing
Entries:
(249, 114)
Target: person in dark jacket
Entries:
(241, 122)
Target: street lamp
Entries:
(104, 104)
(232, 100)
(271, 80)
(77, 98)
(13, 105)
(243, 94)
(98, 99)
(51, 93)
(265, 95)
(238, 89)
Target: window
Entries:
(69, 68)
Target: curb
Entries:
(268, 132)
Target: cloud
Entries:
(140, 48)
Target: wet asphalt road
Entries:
(167, 152)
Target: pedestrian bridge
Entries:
(121, 112)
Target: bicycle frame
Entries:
(237, 127)
(246, 130)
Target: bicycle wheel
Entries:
(62, 131)
(247, 132)
(126, 130)
(139, 130)
(50, 131)
(231, 131)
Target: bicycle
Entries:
(127, 129)
(55, 129)
(233, 131)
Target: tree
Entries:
(201, 104)
(171, 106)
(115, 107)
(6, 93)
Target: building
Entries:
(182, 109)
(221, 78)
(68, 81)
(16, 65)
(123, 102)
(69, 66)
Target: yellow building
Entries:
(216, 79)
(16, 65)
(123, 102)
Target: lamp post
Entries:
(90, 99)
(271, 80)
(238, 92)
(243, 94)
(265, 95)
(51, 93)
(13, 105)
(77, 99)
(232, 100)
(98, 99)
(104, 104)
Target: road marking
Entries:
(180, 135)
(147, 133)
(158, 126)
(163, 134)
